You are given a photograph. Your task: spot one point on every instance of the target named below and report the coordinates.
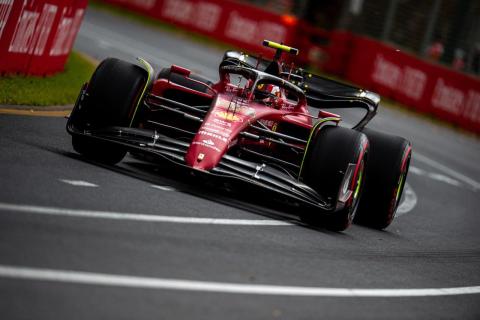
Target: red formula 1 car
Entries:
(253, 126)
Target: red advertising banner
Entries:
(37, 36)
(425, 86)
(240, 24)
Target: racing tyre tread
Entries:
(332, 150)
(389, 159)
(112, 96)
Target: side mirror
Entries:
(180, 70)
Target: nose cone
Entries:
(206, 150)
(220, 127)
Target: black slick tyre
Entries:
(112, 97)
(387, 171)
(334, 166)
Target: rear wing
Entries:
(324, 93)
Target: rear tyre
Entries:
(334, 166)
(111, 100)
(389, 161)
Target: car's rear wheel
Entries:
(111, 100)
(389, 161)
(334, 166)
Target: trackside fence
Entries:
(420, 84)
(36, 36)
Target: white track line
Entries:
(163, 188)
(78, 183)
(409, 201)
(137, 217)
(103, 279)
(474, 184)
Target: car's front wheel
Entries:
(334, 166)
(111, 99)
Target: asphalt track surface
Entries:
(79, 240)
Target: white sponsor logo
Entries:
(24, 32)
(178, 10)
(447, 98)
(203, 15)
(213, 135)
(472, 107)
(249, 30)
(5, 9)
(206, 145)
(143, 4)
(207, 16)
(413, 83)
(386, 73)
(222, 122)
(44, 27)
(209, 142)
(409, 81)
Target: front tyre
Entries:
(111, 99)
(389, 161)
(334, 166)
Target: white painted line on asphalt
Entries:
(417, 171)
(444, 178)
(137, 217)
(103, 279)
(163, 188)
(474, 184)
(79, 183)
(409, 201)
(434, 176)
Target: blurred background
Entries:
(444, 31)
(424, 55)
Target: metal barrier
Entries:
(37, 36)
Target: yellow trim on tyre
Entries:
(147, 67)
(314, 129)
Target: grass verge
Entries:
(59, 89)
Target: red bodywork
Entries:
(232, 110)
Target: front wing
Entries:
(230, 167)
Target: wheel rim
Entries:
(397, 193)
(357, 189)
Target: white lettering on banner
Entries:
(413, 83)
(143, 4)
(271, 30)
(409, 81)
(386, 73)
(43, 28)
(178, 10)
(250, 31)
(207, 16)
(472, 107)
(241, 28)
(77, 21)
(447, 98)
(24, 32)
(61, 41)
(5, 8)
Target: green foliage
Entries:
(59, 89)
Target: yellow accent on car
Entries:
(147, 67)
(279, 46)
(312, 132)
